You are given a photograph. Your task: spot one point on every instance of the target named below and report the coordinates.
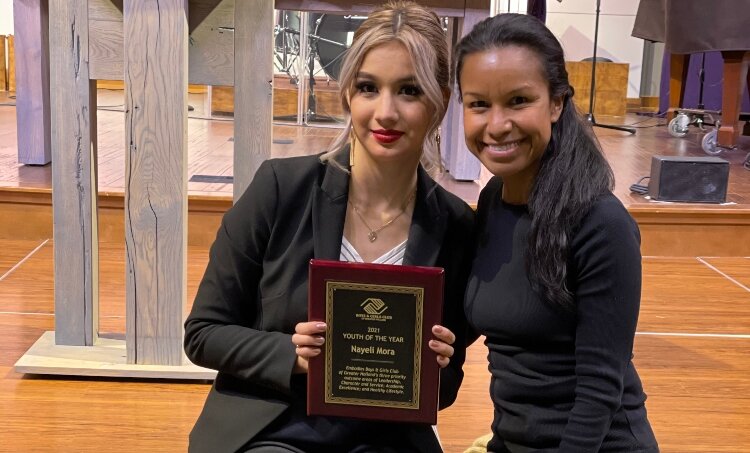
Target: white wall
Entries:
(6, 17)
(573, 22)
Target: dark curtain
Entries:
(537, 8)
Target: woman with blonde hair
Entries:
(370, 199)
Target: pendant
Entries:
(372, 236)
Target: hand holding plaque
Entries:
(376, 362)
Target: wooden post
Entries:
(156, 45)
(11, 63)
(73, 146)
(678, 72)
(30, 19)
(253, 89)
(735, 75)
(3, 66)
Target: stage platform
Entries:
(668, 229)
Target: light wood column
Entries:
(3, 67)
(253, 89)
(31, 25)
(73, 146)
(156, 46)
(11, 63)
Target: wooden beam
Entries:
(105, 10)
(156, 41)
(210, 60)
(199, 10)
(105, 359)
(73, 146)
(11, 63)
(31, 23)
(106, 50)
(444, 8)
(3, 65)
(212, 26)
(211, 51)
(120, 85)
(253, 97)
(735, 75)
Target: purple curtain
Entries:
(712, 84)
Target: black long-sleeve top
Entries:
(562, 381)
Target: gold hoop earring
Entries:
(439, 153)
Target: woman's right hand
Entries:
(308, 338)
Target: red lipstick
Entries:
(386, 135)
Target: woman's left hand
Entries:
(444, 338)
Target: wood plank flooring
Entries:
(692, 352)
(210, 150)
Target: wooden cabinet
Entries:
(610, 97)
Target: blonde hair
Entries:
(421, 33)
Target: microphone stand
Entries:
(590, 116)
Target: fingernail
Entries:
(437, 329)
(320, 325)
(319, 340)
(433, 343)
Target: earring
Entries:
(352, 142)
(439, 153)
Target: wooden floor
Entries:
(692, 349)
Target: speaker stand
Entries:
(590, 116)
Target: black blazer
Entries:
(254, 290)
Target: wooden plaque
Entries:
(376, 363)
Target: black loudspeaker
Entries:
(689, 179)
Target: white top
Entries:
(393, 256)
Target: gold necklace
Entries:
(373, 234)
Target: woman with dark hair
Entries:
(369, 199)
(556, 279)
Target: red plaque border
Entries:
(428, 281)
